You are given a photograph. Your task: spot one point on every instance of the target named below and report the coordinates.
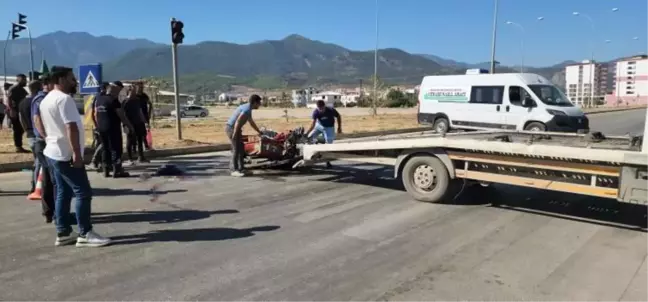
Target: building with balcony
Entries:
(630, 82)
(588, 82)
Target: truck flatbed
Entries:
(428, 162)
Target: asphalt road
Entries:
(350, 233)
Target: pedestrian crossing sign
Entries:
(90, 81)
(90, 78)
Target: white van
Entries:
(512, 101)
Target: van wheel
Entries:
(535, 126)
(441, 125)
(426, 178)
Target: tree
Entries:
(376, 99)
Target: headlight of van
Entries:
(555, 112)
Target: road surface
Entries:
(350, 233)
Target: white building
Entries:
(350, 99)
(631, 82)
(329, 98)
(587, 82)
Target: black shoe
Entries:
(48, 219)
(328, 165)
(143, 160)
(121, 174)
(21, 150)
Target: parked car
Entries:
(192, 110)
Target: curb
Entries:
(614, 110)
(19, 166)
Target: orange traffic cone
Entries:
(36, 195)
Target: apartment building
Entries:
(631, 82)
(588, 82)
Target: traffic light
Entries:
(15, 29)
(176, 31)
(22, 19)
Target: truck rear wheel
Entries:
(426, 178)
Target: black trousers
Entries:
(47, 203)
(135, 141)
(17, 131)
(111, 142)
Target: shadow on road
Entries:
(191, 235)
(13, 193)
(121, 192)
(156, 217)
(574, 207)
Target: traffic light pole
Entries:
(174, 55)
(31, 55)
(4, 57)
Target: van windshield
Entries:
(551, 95)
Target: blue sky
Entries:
(456, 29)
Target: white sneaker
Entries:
(132, 163)
(237, 174)
(65, 240)
(92, 239)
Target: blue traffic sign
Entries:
(89, 78)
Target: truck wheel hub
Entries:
(424, 177)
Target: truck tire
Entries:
(426, 178)
(441, 125)
(535, 126)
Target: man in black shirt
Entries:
(96, 140)
(135, 139)
(108, 116)
(147, 107)
(17, 94)
(24, 115)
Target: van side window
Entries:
(487, 95)
(517, 94)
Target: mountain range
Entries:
(291, 62)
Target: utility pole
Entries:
(176, 38)
(4, 57)
(492, 66)
(18, 27)
(375, 80)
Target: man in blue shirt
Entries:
(324, 124)
(47, 201)
(233, 129)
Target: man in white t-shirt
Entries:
(64, 137)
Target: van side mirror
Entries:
(528, 102)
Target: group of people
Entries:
(323, 123)
(109, 117)
(48, 115)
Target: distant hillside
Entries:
(294, 61)
(70, 49)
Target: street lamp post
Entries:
(521, 42)
(592, 64)
(492, 65)
(375, 81)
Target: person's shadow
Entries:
(156, 217)
(190, 235)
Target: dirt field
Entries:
(211, 130)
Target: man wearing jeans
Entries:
(234, 132)
(324, 123)
(47, 200)
(24, 115)
(64, 152)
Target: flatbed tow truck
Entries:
(434, 166)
